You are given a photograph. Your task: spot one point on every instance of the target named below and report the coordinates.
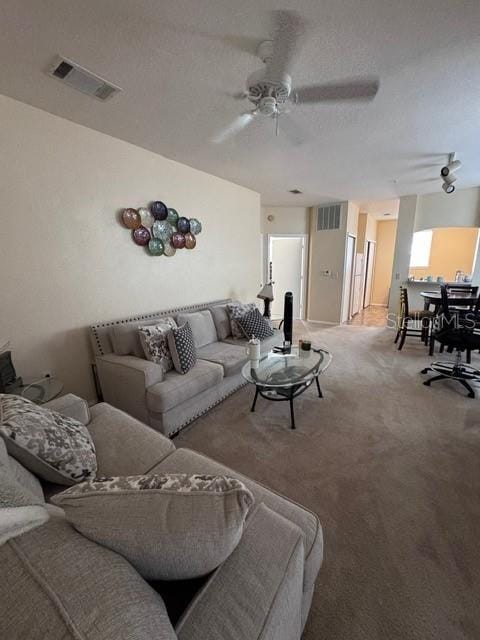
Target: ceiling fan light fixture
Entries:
(295, 192)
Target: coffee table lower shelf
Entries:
(285, 394)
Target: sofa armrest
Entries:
(124, 381)
(256, 594)
(71, 406)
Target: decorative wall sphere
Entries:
(146, 217)
(131, 218)
(141, 236)
(159, 210)
(172, 216)
(155, 246)
(195, 226)
(169, 250)
(178, 240)
(183, 225)
(162, 229)
(190, 241)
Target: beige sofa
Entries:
(56, 584)
(168, 402)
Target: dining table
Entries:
(455, 299)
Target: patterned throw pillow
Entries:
(155, 344)
(56, 448)
(182, 348)
(237, 310)
(173, 526)
(253, 324)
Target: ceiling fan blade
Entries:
(288, 29)
(235, 127)
(362, 89)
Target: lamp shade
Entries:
(266, 292)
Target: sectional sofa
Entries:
(168, 402)
(57, 584)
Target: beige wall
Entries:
(327, 252)
(67, 262)
(459, 209)
(367, 231)
(385, 235)
(285, 220)
(452, 249)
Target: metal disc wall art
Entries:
(161, 229)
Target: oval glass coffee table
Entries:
(283, 377)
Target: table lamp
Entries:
(266, 294)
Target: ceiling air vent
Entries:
(83, 80)
(328, 217)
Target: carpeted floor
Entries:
(391, 467)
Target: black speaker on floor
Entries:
(288, 319)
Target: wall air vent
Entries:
(83, 80)
(328, 217)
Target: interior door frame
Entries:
(368, 244)
(352, 276)
(303, 274)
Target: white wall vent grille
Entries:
(328, 217)
(83, 80)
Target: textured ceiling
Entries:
(179, 62)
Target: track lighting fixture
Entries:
(448, 188)
(447, 173)
(450, 168)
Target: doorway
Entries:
(369, 269)
(287, 264)
(347, 298)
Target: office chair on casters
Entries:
(458, 333)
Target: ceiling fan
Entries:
(270, 89)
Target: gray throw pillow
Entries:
(56, 448)
(237, 310)
(155, 343)
(169, 526)
(182, 348)
(253, 324)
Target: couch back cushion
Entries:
(56, 584)
(221, 319)
(202, 325)
(126, 340)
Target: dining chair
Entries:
(454, 333)
(408, 317)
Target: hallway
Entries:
(372, 316)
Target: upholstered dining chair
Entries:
(408, 318)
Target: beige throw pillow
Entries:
(169, 526)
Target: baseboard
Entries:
(321, 322)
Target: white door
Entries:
(357, 284)
(287, 255)
(369, 274)
(348, 279)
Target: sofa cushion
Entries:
(231, 357)
(176, 388)
(266, 345)
(125, 340)
(221, 320)
(155, 344)
(25, 477)
(57, 448)
(182, 348)
(202, 325)
(189, 461)
(173, 526)
(57, 584)
(125, 446)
